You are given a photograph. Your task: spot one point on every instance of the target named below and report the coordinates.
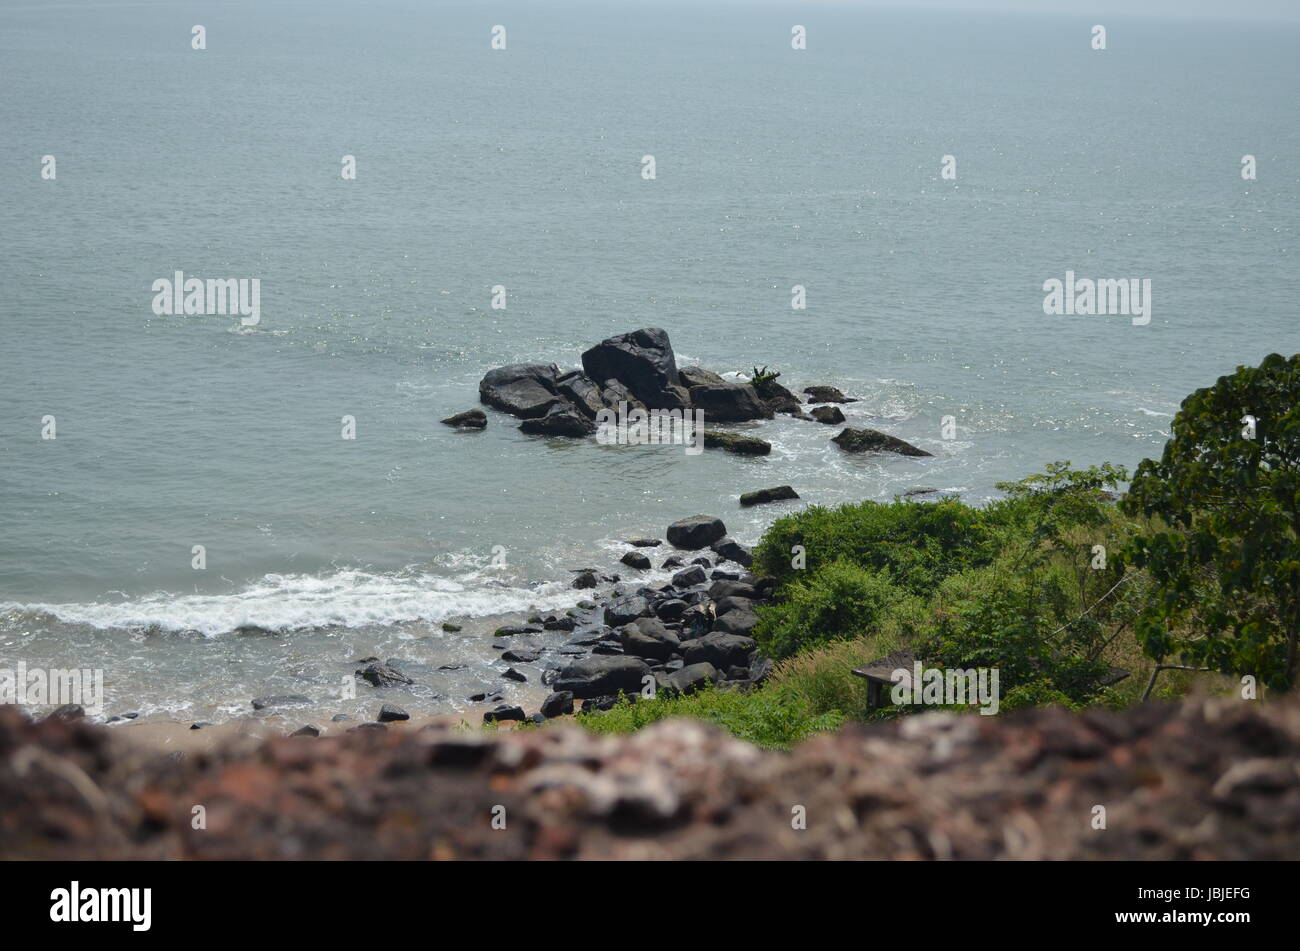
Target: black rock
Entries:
(732, 603)
(625, 610)
(721, 650)
(729, 402)
(827, 394)
(642, 361)
(582, 392)
(389, 714)
(734, 442)
(561, 419)
(470, 419)
(602, 675)
(671, 609)
(512, 674)
(634, 559)
(649, 638)
(672, 561)
(613, 394)
(827, 414)
(340, 718)
(503, 713)
(558, 704)
(690, 678)
(538, 718)
(512, 631)
(732, 550)
(723, 589)
(515, 656)
(690, 577)
(526, 390)
(200, 725)
(644, 542)
(383, 675)
(780, 400)
(559, 623)
(309, 730)
(736, 622)
(912, 493)
(698, 531)
(869, 440)
(71, 711)
(698, 376)
(778, 494)
(261, 703)
(586, 579)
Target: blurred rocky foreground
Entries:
(1203, 780)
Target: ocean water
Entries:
(522, 168)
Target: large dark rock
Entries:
(525, 390)
(734, 442)
(470, 419)
(642, 361)
(827, 414)
(780, 400)
(637, 560)
(729, 402)
(733, 603)
(721, 650)
(614, 393)
(580, 390)
(698, 376)
(869, 440)
(602, 675)
(696, 532)
(389, 713)
(827, 394)
(503, 713)
(648, 637)
(562, 419)
(732, 550)
(625, 611)
(689, 577)
(736, 622)
(557, 704)
(778, 494)
(691, 678)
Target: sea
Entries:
(198, 527)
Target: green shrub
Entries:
(918, 543)
(840, 601)
(771, 716)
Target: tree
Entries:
(1225, 552)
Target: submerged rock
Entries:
(734, 442)
(261, 703)
(827, 394)
(635, 559)
(778, 494)
(869, 440)
(561, 419)
(470, 419)
(827, 414)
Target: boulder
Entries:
(696, 532)
(648, 637)
(671, 609)
(637, 560)
(732, 550)
(729, 402)
(721, 650)
(689, 577)
(511, 674)
(734, 442)
(557, 704)
(561, 419)
(827, 394)
(504, 712)
(691, 678)
(644, 542)
(642, 361)
(389, 713)
(780, 400)
(614, 393)
(580, 390)
(383, 675)
(526, 390)
(698, 376)
(778, 494)
(736, 622)
(869, 440)
(733, 603)
(585, 579)
(625, 610)
(514, 656)
(470, 419)
(830, 415)
(602, 675)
